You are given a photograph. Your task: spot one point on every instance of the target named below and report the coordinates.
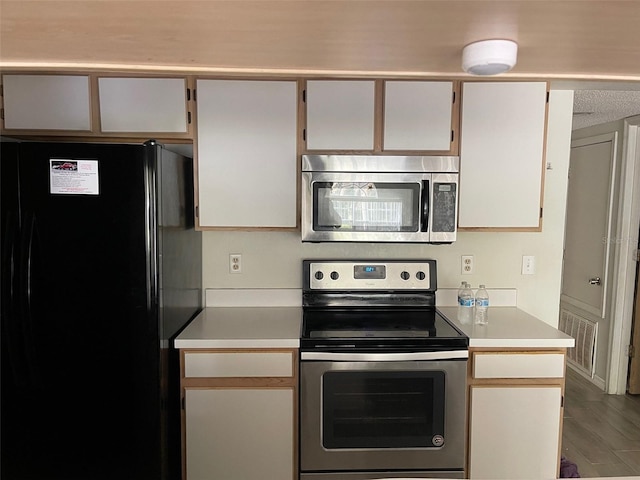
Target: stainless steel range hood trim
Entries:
(380, 163)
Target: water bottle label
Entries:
(467, 302)
(482, 302)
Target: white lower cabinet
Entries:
(514, 432)
(239, 419)
(239, 433)
(515, 414)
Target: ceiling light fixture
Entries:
(489, 57)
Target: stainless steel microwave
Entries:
(370, 198)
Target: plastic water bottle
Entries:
(467, 302)
(460, 290)
(482, 306)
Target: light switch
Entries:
(528, 265)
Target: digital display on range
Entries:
(367, 272)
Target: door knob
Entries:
(595, 281)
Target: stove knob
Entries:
(319, 275)
(420, 275)
(405, 275)
(335, 275)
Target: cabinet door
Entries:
(514, 432)
(239, 433)
(501, 154)
(47, 102)
(417, 115)
(246, 153)
(340, 114)
(143, 104)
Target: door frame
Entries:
(633, 383)
(624, 274)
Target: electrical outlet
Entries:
(235, 263)
(528, 265)
(467, 264)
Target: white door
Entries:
(588, 223)
(514, 432)
(239, 433)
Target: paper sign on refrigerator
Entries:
(74, 177)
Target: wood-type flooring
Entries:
(601, 433)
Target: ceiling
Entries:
(594, 107)
(559, 40)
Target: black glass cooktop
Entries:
(376, 329)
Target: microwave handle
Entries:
(424, 213)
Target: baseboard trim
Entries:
(597, 381)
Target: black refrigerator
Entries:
(101, 269)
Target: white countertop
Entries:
(243, 327)
(279, 327)
(510, 327)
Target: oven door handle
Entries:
(385, 357)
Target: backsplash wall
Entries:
(273, 259)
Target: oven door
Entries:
(382, 412)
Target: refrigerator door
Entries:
(88, 405)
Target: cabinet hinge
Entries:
(2, 113)
(561, 401)
(547, 97)
(198, 211)
(453, 100)
(1, 90)
(188, 94)
(182, 403)
(304, 134)
(540, 212)
(189, 117)
(195, 96)
(453, 134)
(304, 96)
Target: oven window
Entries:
(366, 207)
(383, 409)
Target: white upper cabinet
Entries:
(47, 102)
(143, 105)
(417, 115)
(247, 153)
(502, 154)
(340, 114)
(380, 116)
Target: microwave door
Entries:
(365, 207)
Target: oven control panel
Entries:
(370, 275)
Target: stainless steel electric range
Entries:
(382, 372)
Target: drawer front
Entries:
(521, 365)
(238, 364)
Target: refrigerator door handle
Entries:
(26, 267)
(11, 338)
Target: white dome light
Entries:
(489, 57)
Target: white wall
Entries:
(273, 259)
